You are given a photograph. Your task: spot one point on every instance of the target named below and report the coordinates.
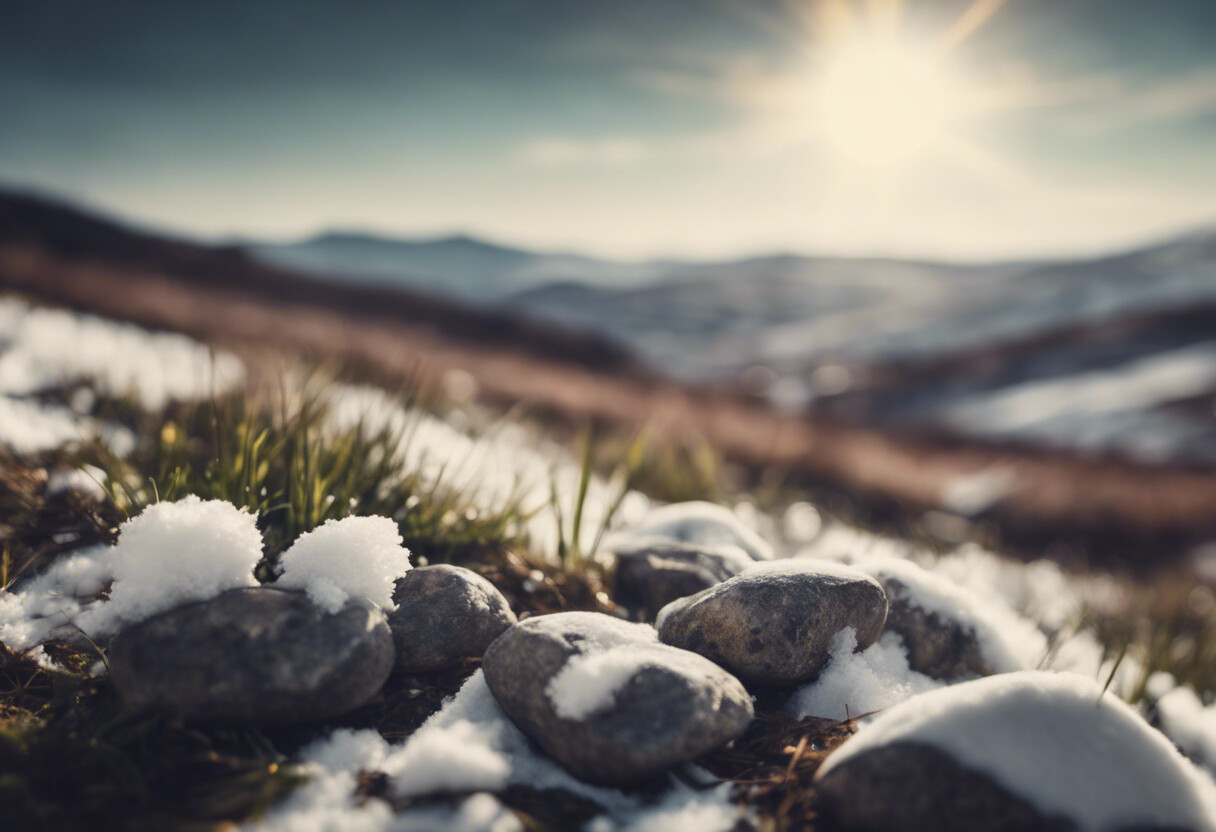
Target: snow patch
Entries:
(589, 683)
(171, 553)
(701, 522)
(1185, 719)
(1056, 740)
(355, 556)
(855, 684)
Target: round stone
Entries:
(256, 655)
(445, 614)
(653, 572)
(1013, 752)
(606, 700)
(774, 623)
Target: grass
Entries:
(70, 754)
(283, 460)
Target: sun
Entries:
(883, 102)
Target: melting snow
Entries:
(701, 522)
(172, 553)
(1059, 742)
(359, 556)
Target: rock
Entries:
(938, 646)
(774, 623)
(445, 614)
(653, 572)
(698, 522)
(949, 632)
(609, 702)
(1026, 750)
(257, 655)
(908, 787)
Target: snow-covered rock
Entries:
(607, 700)
(1185, 719)
(355, 557)
(1025, 750)
(445, 614)
(257, 655)
(775, 622)
(948, 632)
(173, 553)
(698, 522)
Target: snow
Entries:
(1099, 409)
(43, 349)
(87, 481)
(975, 493)
(494, 468)
(476, 813)
(451, 760)
(484, 725)
(1185, 719)
(171, 553)
(30, 428)
(1007, 641)
(701, 522)
(51, 347)
(588, 683)
(52, 598)
(801, 522)
(1059, 742)
(682, 809)
(355, 556)
(854, 684)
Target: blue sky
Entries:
(627, 128)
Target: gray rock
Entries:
(1015, 751)
(445, 614)
(258, 655)
(663, 705)
(651, 573)
(909, 787)
(774, 623)
(938, 646)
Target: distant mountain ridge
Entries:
(1041, 350)
(457, 265)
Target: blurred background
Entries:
(952, 259)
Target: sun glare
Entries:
(883, 103)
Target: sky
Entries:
(945, 129)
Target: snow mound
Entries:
(699, 522)
(1007, 641)
(355, 556)
(854, 684)
(86, 481)
(1185, 719)
(172, 553)
(51, 347)
(1059, 742)
(54, 597)
(451, 760)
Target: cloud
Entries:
(1099, 103)
(564, 153)
(1175, 99)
